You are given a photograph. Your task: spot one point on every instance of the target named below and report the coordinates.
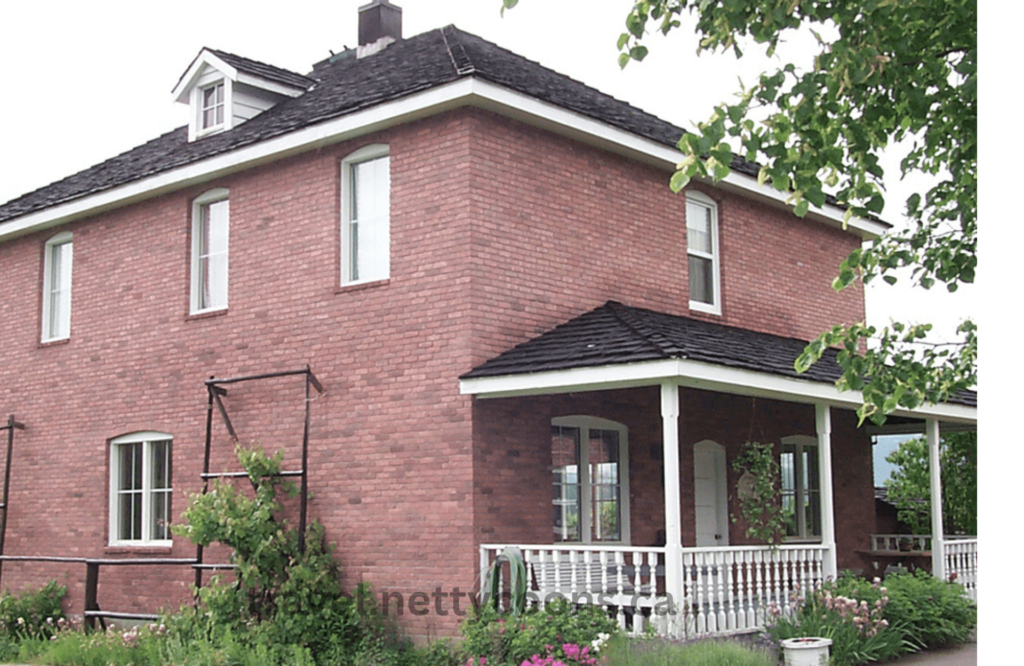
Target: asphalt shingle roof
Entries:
(263, 70)
(615, 334)
(345, 84)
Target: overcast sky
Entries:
(87, 80)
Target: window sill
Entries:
(205, 314)
(706, 308)
(54, 343)
(139, 549)
(359, 286)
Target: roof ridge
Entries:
(221, 52)
(460, 59)
(623, 314)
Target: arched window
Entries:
(366, 215)
(210, 226)
(140, 489)
(57, 288)
(801, 487)
(590, 466)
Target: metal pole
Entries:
(7, 486)
(206, 482)
(305, 472)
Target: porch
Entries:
(641, 413)
(721, 590)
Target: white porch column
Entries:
(673, 517)
(935, 474)
(823, 424)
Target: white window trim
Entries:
(195, 127)
(205, 199)
(715, 308)
(800, 443)
(585, 423)
(364, 154)
(62, 238)
(146, 438)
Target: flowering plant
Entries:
(853, 620)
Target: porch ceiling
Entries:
(617, 346)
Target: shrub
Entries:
(850, 614)
(624, 651)
(504, 639)
(32, 613)
(279, 596)
(933, 612)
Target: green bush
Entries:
(623, 651)
(934, 613)
(278, 595)
(509, 639)
(851, 613)
(32, 613)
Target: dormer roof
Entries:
(241, 70)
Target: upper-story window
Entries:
(591, 480)
(210, 251)
(702, 253)
(366, 215)
(212, 106)
(801, 487)
(140, 489)
(57, 288)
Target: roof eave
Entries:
(467, 91)
(692, 374)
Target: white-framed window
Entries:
(590, 480)
(57, 287)
(702, 253)
(210, 226)
(140, 489)
(366, 215)
(801, 487)
(211, 107)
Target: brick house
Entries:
(522, 335)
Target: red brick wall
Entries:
(390, 438)
(562, 227)
(498, 233)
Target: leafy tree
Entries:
(887, 71)
(909, 488)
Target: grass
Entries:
(623, 651)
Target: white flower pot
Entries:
(805, 651)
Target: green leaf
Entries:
(680, 179)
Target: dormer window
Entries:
(224, 90)
(212, 99)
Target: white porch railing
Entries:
(901, 542)
(737, 588)
(961, 555)
(722, 589)
(628, 580)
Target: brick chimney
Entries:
(380, 24)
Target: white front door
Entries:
(709, 492)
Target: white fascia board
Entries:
(468, 91)
(269, 86)
(691, 374)
(181, 91)
(340, 129)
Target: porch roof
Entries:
(618, 346)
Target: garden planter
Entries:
(805, 651)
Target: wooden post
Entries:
(935, 476)
(673, 519)
(92, 579)
(823, 422)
